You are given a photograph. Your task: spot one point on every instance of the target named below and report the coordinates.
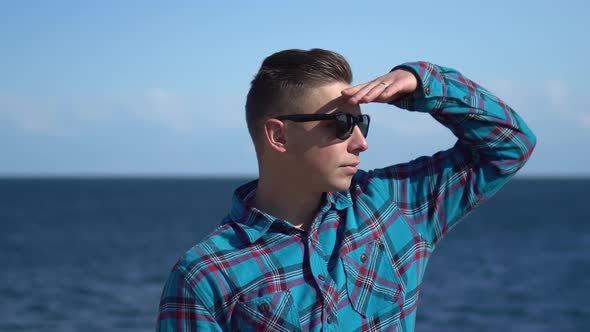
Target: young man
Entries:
(316, 244)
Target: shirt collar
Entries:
(254, 223)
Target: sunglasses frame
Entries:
(350, 122)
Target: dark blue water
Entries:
(93, 254)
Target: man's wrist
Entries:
(427, 88)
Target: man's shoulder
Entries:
(207, 253)
(366, 184)
(200, 270)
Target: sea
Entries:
(92, 254)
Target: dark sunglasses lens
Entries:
(344, 125)
(364, 124)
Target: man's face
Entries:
(320, 160)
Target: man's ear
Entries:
(274, 134)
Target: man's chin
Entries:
(341, 185)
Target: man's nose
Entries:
(358, 142)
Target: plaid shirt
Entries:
(360, 266)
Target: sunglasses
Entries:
(343, 122)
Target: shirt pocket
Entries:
(371, 281)
(271, 312)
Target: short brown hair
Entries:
(286, 76)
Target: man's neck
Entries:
(288, 202)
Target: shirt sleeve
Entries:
(435, 192)
(181, 309)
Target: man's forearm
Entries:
(481, 121)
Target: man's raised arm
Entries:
(437, 191)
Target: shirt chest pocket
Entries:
(371, 281)
(271, 312)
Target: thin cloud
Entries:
(158, 108)
(585, 121)
(548, 103)
(557, 94)
(27, 114)
(165, 108)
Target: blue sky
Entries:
(144, 88)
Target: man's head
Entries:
(310, 153)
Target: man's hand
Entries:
(383, 89)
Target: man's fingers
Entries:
(374, 92)
(381, 92)
(361, 95)
(353, 90)
(383, 89)
(358, 97)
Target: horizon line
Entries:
(6, 176)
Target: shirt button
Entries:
(363, 258)
(322, 277)
(330, 319)
(427, 91)
(380, 245)
(263, 307)
(466, 98)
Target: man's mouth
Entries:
(352, 167)
(354, 164)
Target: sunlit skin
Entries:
(298, 162)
